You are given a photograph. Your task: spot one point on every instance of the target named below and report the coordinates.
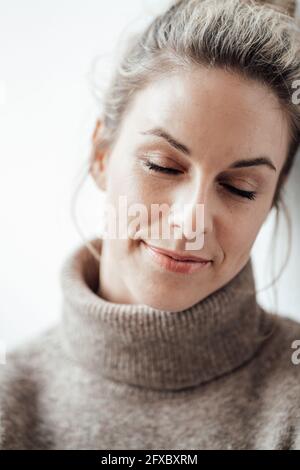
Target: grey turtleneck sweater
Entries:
(218, 375)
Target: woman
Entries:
(156, 350)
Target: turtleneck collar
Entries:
(140, 345)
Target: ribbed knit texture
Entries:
(158, 349)
(127, 376)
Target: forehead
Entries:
(213, 112)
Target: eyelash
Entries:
(246, 194)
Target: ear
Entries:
(98, 158)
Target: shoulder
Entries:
(276, 376)
(21, 377)
(287, 341)
(281, 352)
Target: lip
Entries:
(177, 256)
(175, 265)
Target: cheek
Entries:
(121, 184)
(238, 231)
(138, 187)
(131, 201)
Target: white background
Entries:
(47, 115)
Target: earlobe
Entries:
(98, 173)
(96, 130)
(97, 165)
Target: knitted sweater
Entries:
(217, 375)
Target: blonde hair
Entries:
(256, 39)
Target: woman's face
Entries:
(199, 124)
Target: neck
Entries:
(144, 346)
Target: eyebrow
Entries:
(253, 162)
(244, 163)
(159, 132)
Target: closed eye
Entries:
(162, 169)
(240, 192)
(232, 189)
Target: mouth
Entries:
(170, 263)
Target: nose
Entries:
(192, 210)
